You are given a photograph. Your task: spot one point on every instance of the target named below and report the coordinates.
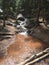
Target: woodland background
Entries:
(29, 8)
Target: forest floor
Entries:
(22, 47)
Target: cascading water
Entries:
(21, 26)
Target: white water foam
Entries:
(23, 33)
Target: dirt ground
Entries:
(22, 48)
